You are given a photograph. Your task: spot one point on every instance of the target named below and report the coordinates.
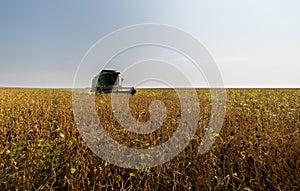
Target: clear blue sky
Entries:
(254, 43)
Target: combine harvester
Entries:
(108, 81)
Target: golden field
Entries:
(258, 147)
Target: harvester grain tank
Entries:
(108, 81)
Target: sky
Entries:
(254, 43)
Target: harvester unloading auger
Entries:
(108, 81)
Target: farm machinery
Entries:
(108, 81)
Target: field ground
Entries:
(257, 148)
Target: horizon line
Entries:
(159, 87)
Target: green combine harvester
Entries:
(108, 81)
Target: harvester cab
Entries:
(108, 81)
